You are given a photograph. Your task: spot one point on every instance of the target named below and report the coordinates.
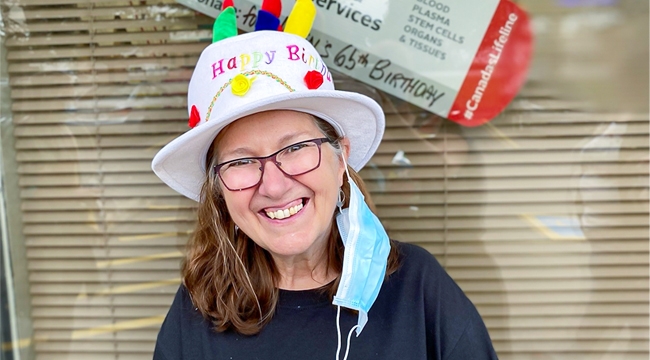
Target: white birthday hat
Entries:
(240, 75)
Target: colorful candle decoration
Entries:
(266, 21)
(225, 25)
(226, 4)
(272, 6)
(301, 18)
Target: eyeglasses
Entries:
(293, 160)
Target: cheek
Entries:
(237, 204)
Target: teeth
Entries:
(283, 214)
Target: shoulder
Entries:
(419, 267)
(444, 301)
(412, 251)
(453, 325)
(414, 259)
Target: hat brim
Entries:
(181, 163)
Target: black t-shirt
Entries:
(420, 313)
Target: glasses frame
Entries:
(273, 158)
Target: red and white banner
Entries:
(498, 70)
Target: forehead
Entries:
(266, 129)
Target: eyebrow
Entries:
(244, 151)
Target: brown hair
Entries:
(231, 280)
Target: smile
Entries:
(284, 213)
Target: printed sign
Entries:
(464, 60)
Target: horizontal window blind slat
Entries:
(102, 276)
(101, 301)
(536, 248)
(515, 133)
(416, 118)
(572, 346)
(94, 347)
(100, 254)
(44, 68)
(115, 228)
(88, 3)
(514, 222)
(99, 312)
(554, 285)
(89, 180)
(536, 273)
(575, 356)
(97, 290)
(511, 157)
(142, 50)
(21, 83)
(119, 64)
(91, 91)
(159, 240)
(568, 321)
(166, 203)
(111, 216)
(110, 38)
(564, 297)
(140, 334)
(471, 171)
(565, 309)
(506, 260)
(116, 103)
(567, 209)
(87, 14)
(146, 263)
(147, 24)
(87, 192)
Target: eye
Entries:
(296, 147)
(240, 163)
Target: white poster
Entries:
(436, 54)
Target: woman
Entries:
(284, 238)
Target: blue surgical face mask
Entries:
(365, 257)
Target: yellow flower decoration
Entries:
(241, 84)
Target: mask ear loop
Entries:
(346, 168)
(341, 193)
(338, 337)
(338, 308)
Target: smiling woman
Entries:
(295, 242)
(286, 233)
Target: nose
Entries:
(274, 183)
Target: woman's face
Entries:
(302, 235)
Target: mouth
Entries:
(285, 213)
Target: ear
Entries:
(345, 147)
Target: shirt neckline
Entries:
(303, 298)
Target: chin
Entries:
(292, 245)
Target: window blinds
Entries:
(541, 216)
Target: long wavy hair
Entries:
(231, 280)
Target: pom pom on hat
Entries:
(195, 117)
(313, 79)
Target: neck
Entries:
(303, 274)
